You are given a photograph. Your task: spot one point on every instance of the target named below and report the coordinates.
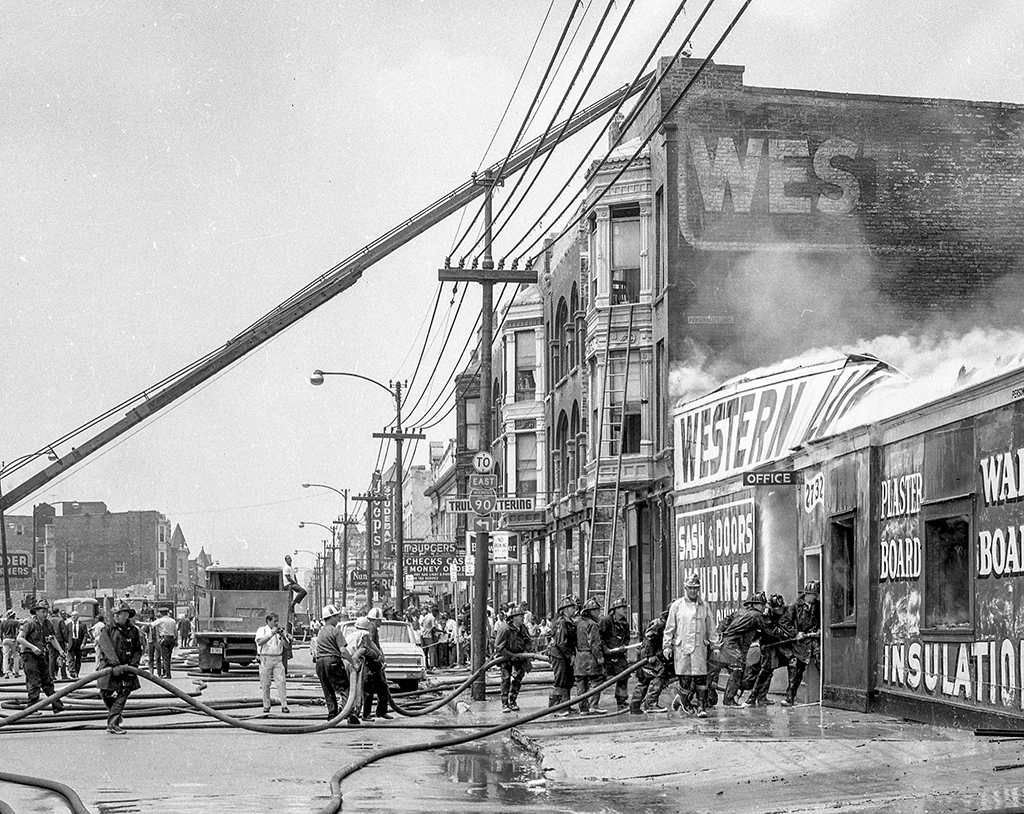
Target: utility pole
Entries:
(487, 276)
(397, 508)
(344, 555)
(3, 552)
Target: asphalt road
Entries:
(774, 759)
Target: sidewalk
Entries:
(781, 760)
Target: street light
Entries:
(317, 378)
(344, 536)
(333, 530)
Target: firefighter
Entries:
(653, 676)
(34, 638)
(688, 634)
(738, 634)
(614, 630)
(804, 618)
(119, 646)
(588, 663)
(773, 655)
(561, 651)
(512, 640)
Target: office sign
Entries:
(783, 477)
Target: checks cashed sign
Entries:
(751, 421)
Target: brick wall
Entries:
(809, 217)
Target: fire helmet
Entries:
(618, 603)
(591, 605)
(692, 581)
(566, 602)
(757, 598)
(812, 587)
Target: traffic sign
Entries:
(483, 462)
(477, 482)
(483, 503)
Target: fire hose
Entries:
(355, 671)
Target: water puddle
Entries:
(501, 774)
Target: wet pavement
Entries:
(757, 760)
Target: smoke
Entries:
(790, 309)
(935, 366)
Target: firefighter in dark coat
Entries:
(738, 633)
(35, 638)
(803, 617)
(653, 676)
(588, 664)
(513, 641)
(773, 655)
(119, 645)
(561, 651)
(614, 629)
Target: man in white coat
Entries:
(688, 633)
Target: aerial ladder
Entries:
(310, 297)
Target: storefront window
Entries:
(843, 567)
(947, 571)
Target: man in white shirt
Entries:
(427, 638)
(164, 631)
(291, 582)
(270, 640)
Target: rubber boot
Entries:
(732, 688)
(702, 702)
(554, 698)
(635, 708)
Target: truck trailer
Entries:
(234, 603)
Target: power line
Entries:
(576, 107)
(508, 106)
(637, 108)
(526, 118)
(664, 117)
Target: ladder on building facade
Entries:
(607, 537)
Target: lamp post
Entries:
(333, 530)
(344, 538)
(398, 436)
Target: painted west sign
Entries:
(750, 422)
(777, 175)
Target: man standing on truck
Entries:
(292, 584)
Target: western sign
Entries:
(747, 423)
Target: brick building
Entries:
(89, 549)
(756, 224)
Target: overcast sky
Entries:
(171, 172)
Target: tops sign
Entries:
(797, 180)
(747, 423)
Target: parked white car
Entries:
(406, 664)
